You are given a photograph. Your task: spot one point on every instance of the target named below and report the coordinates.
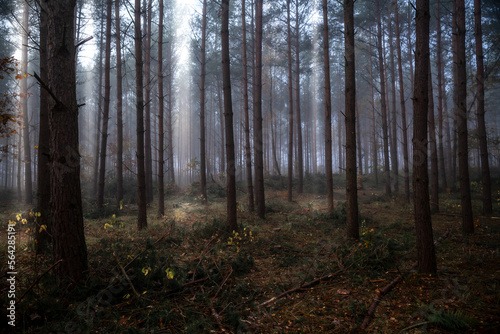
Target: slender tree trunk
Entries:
(28, 189)
(105, 114)
(99, 111)
(328, 110)
(170, 106)
(359, 147)
(228, 118)
(161, 101)
(434, 200)
(383, 105)
(423, 225)
(203, 168)
(461, 110)
(141, 173)
(43, 236)
(248, 153)
(300, 155)
(394, 137)
(258, 148)
(404, 125)
(350, 122)
(290, 103)
(374, 125)
(441, 99)
(66, 202)
(481, 126)
(119, 109)
(147, 108)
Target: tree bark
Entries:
(28, 187)
(374, 125)
(119, 109)
(228, 120)
(141, 173)
(248, 153)
(394, 138)
(66, 202)
(383, 105)
(404, 125)
(423, 226)
(434, 200)
(300, 155)
(328, 110)
(258, 148)
(105, 113)
(481, 125)
(350, 122)
(161, 101)
(461, 111)
(290, 103)
(203, 168)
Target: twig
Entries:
(388, 288)
(84, 41)
(37, 280)
(46, 87)
(301, 287)
(126, 276)
(217, 319)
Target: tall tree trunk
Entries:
(43, 236)
(99, 112)
(383, 105)
(434, 201)
(290, 103)
(161, 101)
(203, 168)
(147, 107)
(228, 119)
(119, 109)
(141, 173)
(258, 149)
(481, 126)
(350, 123)
(248, 153)
(394, 137)
(328, 110)
(105, 114)
(28, 196)
(441, 98)
(300, 155)
(461, 111)
(404, 125)
(66, 201)
(423, 225)
(170, 106)
(374, 125)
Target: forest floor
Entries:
(293, 272)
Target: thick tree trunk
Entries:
(481, 126)
(43, 236)
(141, 173)
(350, 122)
(248, 153)
(258, 148)
(383, 104)
(461, 111)
(105, 113)
(66, 202)
(404, 125)
(328, 110)
(290, 103)
(119, 109)
(228, 119)
(161, 101)
(28, 187)
(423, 226)
(203, 168)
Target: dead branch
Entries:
(38, 280)
(126, 276)
(302, 287)
(388, 288)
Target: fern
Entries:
(451, 320)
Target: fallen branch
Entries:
(302, 287)
(126, 276)
(388, 288)
(38, 280)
